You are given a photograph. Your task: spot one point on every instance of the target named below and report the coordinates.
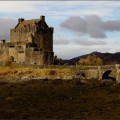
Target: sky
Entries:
(80, 27)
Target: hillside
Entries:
(108, 58)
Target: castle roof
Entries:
(27, 22)
(31, 23)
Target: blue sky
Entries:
(80, 27)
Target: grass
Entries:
(40, 72)
(65, 100)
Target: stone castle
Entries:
(31, 42)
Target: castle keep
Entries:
(31, 42)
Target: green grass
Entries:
(59, 100)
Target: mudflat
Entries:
(59, 99)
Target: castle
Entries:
(31, 42)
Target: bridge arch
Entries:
(106, 75)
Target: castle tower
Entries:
(36, 39)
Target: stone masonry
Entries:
(31, 42)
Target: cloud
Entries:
(91, 25)
(18, 6)
(5, 26)
(67, 8)
(89, 42)
(112, 25)
(61, 42)
(75, 23)
(79, 41)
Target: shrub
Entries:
(52, 72)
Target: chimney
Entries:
(42, 18)
(20, 20)
(2, 40)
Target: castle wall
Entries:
(0, 55)
(21, 57)
(12, 53)
(28, 55)
(33, 57)
(20, 35)
(48, 58)
(17, 53)
(48, 40)
(39, 40)
(4, 54)
(45, 39)
(38, 58)
(14, 35)
(51, 58)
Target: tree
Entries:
(82, 61)
(99, 61)
(57, 61)
(91, 60)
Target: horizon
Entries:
(91, 53)
(80, 27)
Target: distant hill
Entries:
(108, 58)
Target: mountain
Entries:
(108, 58)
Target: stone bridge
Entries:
(100, 72)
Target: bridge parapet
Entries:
(118, 73)
(114, 68)
(98, 71)
(108, 66)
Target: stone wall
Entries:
(33, 57)
(98, 71)
(44, 39)
(17, 35)
(13, 53)
(38, 57)
(21, 57)
(4, 53)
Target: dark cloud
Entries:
(79, 41)
(91, 25)
(5, 26)
(76, 24)
(113, 25)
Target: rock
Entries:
(107, 82)
(9, 98)
(25, 78)
(67, 77)
(36, 78)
